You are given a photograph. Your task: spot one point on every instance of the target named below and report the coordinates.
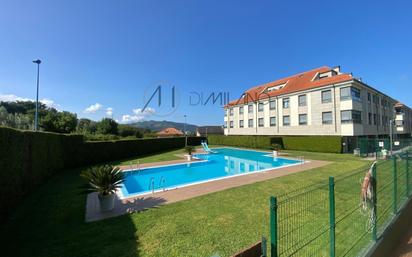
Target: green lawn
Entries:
(51, 221)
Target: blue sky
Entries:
(107, 54)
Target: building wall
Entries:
(314, 109)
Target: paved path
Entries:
(139, 203)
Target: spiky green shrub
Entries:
(103, 179)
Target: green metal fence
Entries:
(330, 219)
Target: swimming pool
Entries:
(227, 162)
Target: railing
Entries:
(331, 218)
(162, 181)
(151, 184)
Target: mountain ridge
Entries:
(155, 125)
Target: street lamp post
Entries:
(184, 130)
(36, 116)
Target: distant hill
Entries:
(155, 125)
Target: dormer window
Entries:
(277, 87)
(327, 74)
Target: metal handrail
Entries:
(151, 185)
(162, 180)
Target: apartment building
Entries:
(403, 120)
(323, 101)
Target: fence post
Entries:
(332, 221)
(408, 189)
(273, 227)
(395, 185)
(264, 247)
(375, 204)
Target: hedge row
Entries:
(27, 159)
(263, 142)
(326, 144)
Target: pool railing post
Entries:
(273, 227)
(332, 220)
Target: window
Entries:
(399, 123)
(347, 93)
(272, 121)
(285, 103)
(286, 120)
(250, 108)
(326, 96)
(260, 107)
(351, 116)
(272, 104)
(225, 125)
(302, 100)
(231, 124)
(231, 111)
(250, 123)
(260, 122)
(374, 119)
(240, 123)
(375, 99)
(303, 119)
(240, 110)
(327, 118)
(370, 118)
(369, 97)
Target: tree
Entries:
(60, 122)
(127, 130)
(107, 126)
(86, 126)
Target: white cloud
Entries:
(109, 111)
(146, 112)
(14, 98)
(93, 108)
(138, 115)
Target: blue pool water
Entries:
(226, 162)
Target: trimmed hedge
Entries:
(242, 141)
(326, 144)
(28, 158)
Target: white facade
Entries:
(363, 112)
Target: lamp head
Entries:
(37, 61)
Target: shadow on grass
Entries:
(51, 222)
(122, 207)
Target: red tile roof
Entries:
(295, 83)
(170, 132)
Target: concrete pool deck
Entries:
(139, 203)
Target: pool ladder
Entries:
(301, 159)
(151, 184)
(162, 181)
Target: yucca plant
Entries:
(103, 179)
